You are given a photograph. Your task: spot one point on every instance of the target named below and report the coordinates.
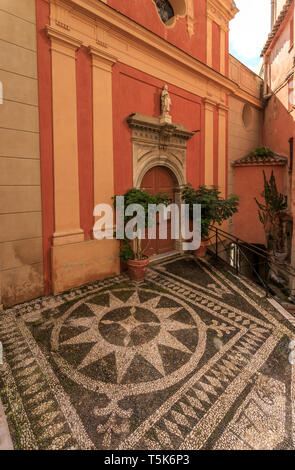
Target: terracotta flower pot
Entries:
(137, 268)
(201, 252)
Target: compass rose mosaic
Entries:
(145, 343)
(191, 358)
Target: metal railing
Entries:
(236, 253)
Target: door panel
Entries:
(159, 179)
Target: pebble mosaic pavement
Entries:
(191, 358)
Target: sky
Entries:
(249, 31)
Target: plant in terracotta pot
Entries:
(131, 252)
(215, 209)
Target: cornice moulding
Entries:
(62, 37)
(123, 27)
(208, 102)
(223, 107)
(102, 55)
(152, 124)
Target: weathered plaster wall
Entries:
(280, 59)
(20, 198)
(242, 139)
(145, 13)
(279, 119)
(279, 115)
(249, 184)
(112, 67)
(279, 125)
(142, 95)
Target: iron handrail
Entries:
(253, 249)
(221, 235)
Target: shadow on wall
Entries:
(279, 125)
(278, 131)
(248, 185)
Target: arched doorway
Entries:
(157, 179)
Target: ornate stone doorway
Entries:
(155, 180)
(159, 160)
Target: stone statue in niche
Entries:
(165, 105)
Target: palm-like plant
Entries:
(269, 213)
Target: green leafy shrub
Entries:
(262, 152)
(142, 197)
(215, 209)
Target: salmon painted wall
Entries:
(46, 135)
(215, 147)
(136, 92)
(215, 46)
(147, 15)
(279, 123)
(85, 137)
(248, 184)
(227, 53)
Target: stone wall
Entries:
(20, 195)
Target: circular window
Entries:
(165, 10)
(247, 116)
(169, 10)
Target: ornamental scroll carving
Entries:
(158, 142)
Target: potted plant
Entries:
(215, 209)
(131, 252)
(271, 213)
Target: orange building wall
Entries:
(85, 139)
(227, 53)
(278, 124)
(216, 46)
(136, 92)
(101, 93)
(46, 136)
(146, 14)
(248, 183)
(215, 147)
(278, 121)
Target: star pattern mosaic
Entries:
(191, 358)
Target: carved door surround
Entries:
(158, 143)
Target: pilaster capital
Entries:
(102, 59)
(222, 108)
(219, 14)
(209, 104)
(64, 39)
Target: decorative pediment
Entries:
(147, 129)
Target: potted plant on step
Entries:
(131, 252)
(215, 209)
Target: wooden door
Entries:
(159, 179)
